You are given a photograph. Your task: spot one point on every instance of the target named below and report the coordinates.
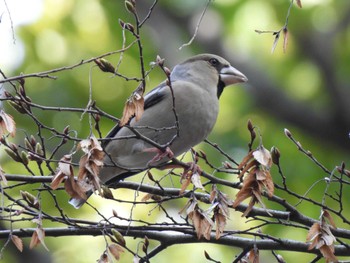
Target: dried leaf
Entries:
(184, 184)
(328, 253)
(220, 221)
(37, 238)
(196, 181)
(90, 163)
(34, 240)
(115, 250)
(253, 255)
(327, 215)
(7, 124)
(202, 224)
(263, 156)
(146, 197)
(134, 106)
(64, 170)
(17, 241)
(299, 3)
(245, 160)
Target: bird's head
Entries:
(209, 67)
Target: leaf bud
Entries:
(130, 6)
(104, 65)
(275, 155)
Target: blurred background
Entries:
(305, 89)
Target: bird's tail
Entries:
(77, 202)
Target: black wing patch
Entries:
(154, 96)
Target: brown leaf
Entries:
(263, 156)
(90, 163)
(146, 197)
(134, 106)
(37, 238)
(7, 124)
(299, 3)
(220, 221)
(202, 224)
(314, 231)
(17, 242)
(115, 250)
(57, 180)
(328, 253)
(184, 184)
(253, 255)
(34, 240)
(245, 160)
(250, 206)
(327, 215)
(245, 192)
(268, 184)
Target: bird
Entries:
(179, 115)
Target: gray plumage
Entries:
(197, 84)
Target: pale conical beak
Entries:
(229, 75)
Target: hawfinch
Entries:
(179, 116)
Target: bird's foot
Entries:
(159, 154)
(193, 168)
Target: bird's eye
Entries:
(213, 61)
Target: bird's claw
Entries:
(159, 154)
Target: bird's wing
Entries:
(153, 97)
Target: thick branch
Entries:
(171, 239)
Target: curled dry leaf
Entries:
(90, 163)
(191, 174)
(253, 255)
(221, 210)
(38, 238)
(202, 223)
(263, 156)
(201, 220)
(17, 241)
(134, 106)
(322, 239)
(7, 124)
(64, 170)
(115, 250)
(255, 168)
(299, 3)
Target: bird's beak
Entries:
(229, 75)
